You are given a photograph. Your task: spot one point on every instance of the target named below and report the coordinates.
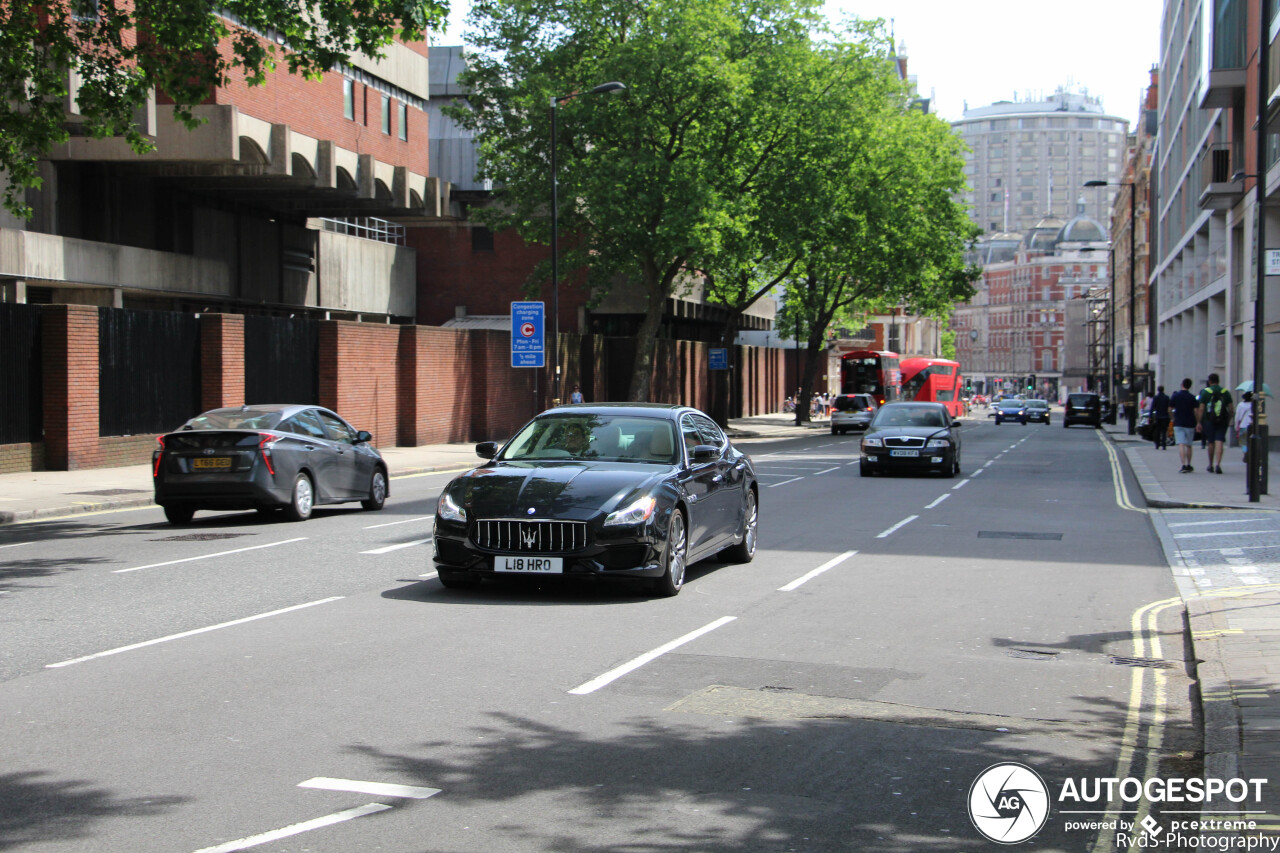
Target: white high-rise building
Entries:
(1030, 159)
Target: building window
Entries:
(386, 114)
(402, 121)
(349, 98)
(481, 239)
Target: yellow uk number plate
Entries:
(212, 462)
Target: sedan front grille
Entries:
(530, 536)
(903, 441)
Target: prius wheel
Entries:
(745, 551)
(677, 545)
(377, 492)
(179, 514)
(300, 506)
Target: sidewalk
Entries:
(1235, 632)
(42, 494)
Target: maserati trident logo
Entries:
(531, 511)
(209, 451)
(528, 537)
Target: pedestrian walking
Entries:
(1244, 420)
(1213, 410)
(826, 404)
(1183, 406)
(1160, 418)
(576, 396)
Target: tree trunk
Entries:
(646, 343)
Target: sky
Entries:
(983, 51)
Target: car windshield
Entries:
(1037, 404)
(851, 404)
(234, 419)
(599, 438)
(903, 415)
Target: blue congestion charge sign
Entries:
(527, 323)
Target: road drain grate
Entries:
(768, 689)
(200, 537)
(1031, 654)
(1153, 663)
(1015, 534)
(109, 493)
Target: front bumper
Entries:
(880, 460)
(627, 553)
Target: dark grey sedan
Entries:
(266, 457)
(911, 437)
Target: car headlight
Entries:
(637, 512)
(939, 442)
(448, 510)
(872, 442)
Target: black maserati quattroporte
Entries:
(612, 490)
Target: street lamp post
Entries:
(1258, 461)
(555, 229)
(1131, 407)
(1109, 362)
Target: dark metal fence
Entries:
(21, 374)
(281, 360)
(148, 370)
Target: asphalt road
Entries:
(239, 684)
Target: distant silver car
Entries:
(851, 412)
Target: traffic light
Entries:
(1031, 383)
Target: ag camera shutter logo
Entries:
(1008, 803)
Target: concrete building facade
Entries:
(1206, 165)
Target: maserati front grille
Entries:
(538, 536)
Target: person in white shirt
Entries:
(1244, 420)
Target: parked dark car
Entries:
(631, 491)
(1082, 408)
(1037, 411)
(911, 437)
(266, 457)
(1011, 410)
(851, 411)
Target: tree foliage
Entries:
(752, 146)
(118, 51)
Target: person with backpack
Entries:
(1215, 415)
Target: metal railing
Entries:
(367, 228)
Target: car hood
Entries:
(572, 490)
(914, 431)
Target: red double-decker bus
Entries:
(871, 372)
(934, 380)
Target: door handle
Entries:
(718, 478)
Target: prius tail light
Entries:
(267, 442)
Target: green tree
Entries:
(654, 185)
(183, 48)
(947, 346)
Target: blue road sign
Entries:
(527, 323)
(719, 358)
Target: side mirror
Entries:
(705, 453)
(363, 436)
(955, 424)
(487, 449)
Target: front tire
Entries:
(377, 491)
(864, 471)
(179, 514)
(673, 558)
(302, 501)
(745, 551)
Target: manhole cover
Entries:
(108, 493)
(1015, 534)
(199, 537)
(1153, 663)
(1031, 654)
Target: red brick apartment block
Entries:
(221, 361)
(70, 335)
